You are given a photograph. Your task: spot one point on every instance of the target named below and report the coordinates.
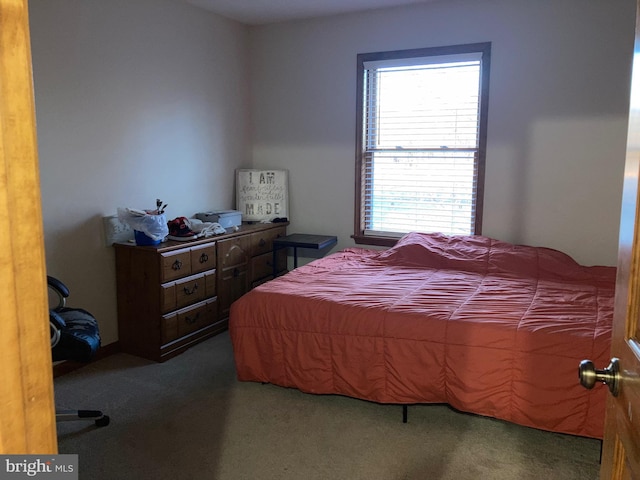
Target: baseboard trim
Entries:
(68, 366)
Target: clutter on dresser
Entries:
(226, 218)
(180, 229)
(207, 229)
(149, 226)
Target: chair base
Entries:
(100, 419)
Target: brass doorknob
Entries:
(610, 376)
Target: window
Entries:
(421, 141)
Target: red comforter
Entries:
(485, 326)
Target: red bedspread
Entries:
(488, 327)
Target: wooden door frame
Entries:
(27, 412)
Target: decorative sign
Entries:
(262, 194)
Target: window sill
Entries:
(372, 240)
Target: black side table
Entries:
(301, 240)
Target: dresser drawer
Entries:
(182, 322)
(262, 242)
(190, 290)
(175, 265)
(210, 283)
(186, 291)
(169, 328)
(262, 265)
(167, 297)
(203, 258)
(197, 316)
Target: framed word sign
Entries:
(262, 194)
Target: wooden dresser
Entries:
(173, 295)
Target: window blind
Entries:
(420, 145)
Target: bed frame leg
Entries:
(601, 442)
(405, 409)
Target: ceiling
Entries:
(260, 12)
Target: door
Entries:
(27, 422)
(621, 446)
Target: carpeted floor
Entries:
(189, 418)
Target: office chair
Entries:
(74, 336)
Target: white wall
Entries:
(560, 75)
(135, 99)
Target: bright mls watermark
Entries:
(51, 467)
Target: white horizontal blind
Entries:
(421, 140)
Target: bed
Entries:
(488, 327)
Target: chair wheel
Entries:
(102, 421)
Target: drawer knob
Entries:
(192, 320)
(262, 242)
(204, 258)
(192, 291)
(177, 265)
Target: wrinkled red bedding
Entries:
(485, 326)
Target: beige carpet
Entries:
(189, 418)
